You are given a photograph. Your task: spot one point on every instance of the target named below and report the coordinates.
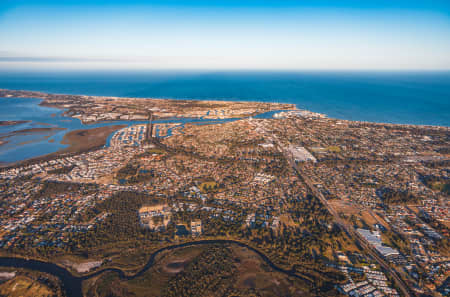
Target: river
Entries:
(73, 284)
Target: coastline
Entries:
(79, 144)
(96, 109)
(87, 139)
(78, 141)
(7, 93)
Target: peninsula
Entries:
(91, 109)
(297, 204)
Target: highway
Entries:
(352, 233)
(349, 229)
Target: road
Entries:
(349, 229)
(353, 234)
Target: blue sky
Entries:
(268, 35)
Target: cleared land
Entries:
(22, 286)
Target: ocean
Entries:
(406, 98)
(392, 97)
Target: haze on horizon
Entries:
(241, 35)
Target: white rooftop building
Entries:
(301, 154)
(374, 238)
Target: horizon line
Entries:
(299, 70)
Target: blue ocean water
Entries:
(393, 97)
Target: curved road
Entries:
(72, 284)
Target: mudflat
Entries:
(28, 131)
(12, 123)
(86, 139)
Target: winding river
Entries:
(73, 284)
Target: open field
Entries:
(22, 286)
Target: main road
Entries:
(349, 229)
(351, 232)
